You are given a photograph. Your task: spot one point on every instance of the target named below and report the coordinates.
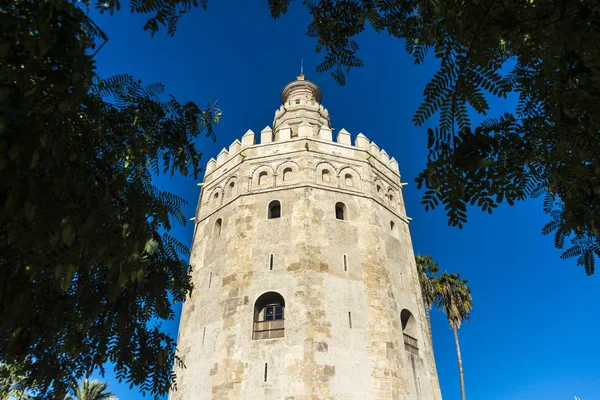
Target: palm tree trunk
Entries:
(460, 367)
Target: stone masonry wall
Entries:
(320, 356)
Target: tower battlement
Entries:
(283, 134)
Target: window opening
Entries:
(409, 331)
(269, 313)
(348, 179)
(203, 335)
(340, 211)
(287, 174)
(273, 312)
(274, 209)
(345, 263)
(350, 319)
(325, 175)
(262, 178)
(209, 279)
(218, 224)
(271, 263)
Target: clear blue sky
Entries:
(534, 327)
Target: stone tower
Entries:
(303, 266)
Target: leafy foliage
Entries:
(545, 51)
(87, 267)
(426, 269)
(14, 384)
(161, 12)
(454, 298)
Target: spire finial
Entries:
(301, 77)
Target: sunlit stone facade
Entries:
(303, 266)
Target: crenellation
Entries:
(384, 157)
(343, 137)
(326, 133)
(266, 135)
(284, 132)
(222, 157)
(374, 150)
(248, 139)
(211, 165)
(305, 130)
(394, 165)
(361, 141)
(235, 147)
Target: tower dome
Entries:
(304, 272)
(301, 103)
(301, 89)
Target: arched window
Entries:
(393, 201)
(379, 191)
(348, 180)
(287, 174)
(393, 227)
(232, 189)
(340, 211)
(274, 209)
(409, 331)
(325, 176)
(217, 230)
(262, 178)
(269, 311)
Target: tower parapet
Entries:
(306, 285)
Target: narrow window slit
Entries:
(271, 263)
(218, 225)
(266, 366)
(350, 319)
(209, 279)
(203, 335)
(345, 263)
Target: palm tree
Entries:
(426, 267)
(91, 389)
(455, 299)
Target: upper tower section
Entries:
(301, 103)
(301, 140)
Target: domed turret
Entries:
(301, 103)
